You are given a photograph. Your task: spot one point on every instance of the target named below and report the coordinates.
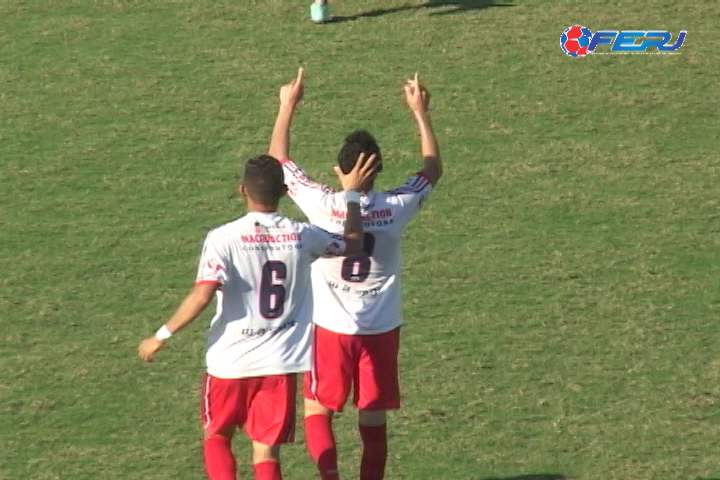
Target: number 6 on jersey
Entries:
(272, 291)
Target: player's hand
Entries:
(416, 95)
(292, 93)
(365, 169)
(149, 347)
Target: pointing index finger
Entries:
(301, 72)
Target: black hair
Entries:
(359, 141)
(264, 179)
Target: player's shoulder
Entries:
(416, 183)
(230, 226)
(292, 224)
(283, 224)
(225, 231)
(295, 176)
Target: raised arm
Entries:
(418, 99)
(290, 96)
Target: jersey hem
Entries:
(263, 373)
(362, 331)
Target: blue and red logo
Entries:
(575, 41)
(578, 41)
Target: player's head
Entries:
(263, 181)
(359, 141)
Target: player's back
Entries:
(360, 294)
(262, 263)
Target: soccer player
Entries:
(258, 267)
(320, 11)
(357, 302)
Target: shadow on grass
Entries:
(532, 476)
(441, 7)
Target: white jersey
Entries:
(261, 264)
(359, 295)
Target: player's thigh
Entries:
(377, 385)
(334, 361)
(271, 415)
(222, 405)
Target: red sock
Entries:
(374, 455)
(219, 459)
(267, 471)
(321, 445)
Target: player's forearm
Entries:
(280, 141)
(429, 146)
(191, 308)
(353, 229)
(428, 142)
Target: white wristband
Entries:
(163, 334)
(352, 196)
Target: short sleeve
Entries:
(310, 196)
(214, 261)
(411, 196)
(325, 244)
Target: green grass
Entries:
(561, 288)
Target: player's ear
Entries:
(242, 190)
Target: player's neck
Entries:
(368, 187)
(261, 208)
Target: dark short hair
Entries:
(264, 179)
(359, 141)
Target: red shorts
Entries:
(264, 406)
(368, 363)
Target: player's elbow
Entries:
(438, 171)
(433, 169)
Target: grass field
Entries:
(562, 290)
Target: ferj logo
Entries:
(579, 41)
